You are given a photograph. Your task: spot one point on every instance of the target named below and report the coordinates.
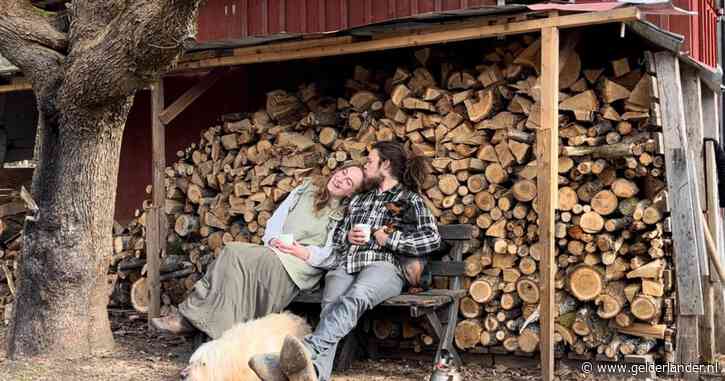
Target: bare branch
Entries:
(20, 20)
(29, 39)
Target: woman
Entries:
(248, 281)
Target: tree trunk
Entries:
(85, 73)
(67, 250)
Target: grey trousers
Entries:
(344, 299)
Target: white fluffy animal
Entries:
(226, 358)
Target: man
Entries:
(369, 271)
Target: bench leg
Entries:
(445, 333)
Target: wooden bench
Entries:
(448, 262)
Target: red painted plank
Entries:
(235, 15)
(402, 8)
(255, 17)
(379, 10)
(277, 16)
(356, 9)
(333, 14)
(449, 5)
(425, 6)
(313, 16)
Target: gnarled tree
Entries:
(85, 65)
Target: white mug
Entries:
(286, 239)
(365, 228)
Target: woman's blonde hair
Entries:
(322, 195)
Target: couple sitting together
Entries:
(364, 268)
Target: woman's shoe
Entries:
(174, 323)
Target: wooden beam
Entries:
(293, 45)
(710, 114)
(715, 226)
(689, 288)
(283, 45)
(692, 97)
(714, 289)
(424, 38)
(20, 84)
(12, 208)
(186, 99)
(673, 125)
(547, 148)
(679, 185)
(693, 147)
(156, 220)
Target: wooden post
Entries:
(686, 255)
(547, 147)
(711, 130)
(692, 98)
(156, 229)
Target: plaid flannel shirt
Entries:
(369, 208)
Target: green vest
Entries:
(308, 228)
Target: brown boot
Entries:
(295, 361)
(266, 366)
(173, 323)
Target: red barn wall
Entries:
(235, 19)
(221, 20)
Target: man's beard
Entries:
(372, 182)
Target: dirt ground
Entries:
(144, 356)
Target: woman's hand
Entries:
(275, 243)
(295, 249)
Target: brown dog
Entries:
(414, 268)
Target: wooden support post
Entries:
(685, 238)
(547, 147)
(709, 107)
(156, 232)
(692, 99)
(180, 104)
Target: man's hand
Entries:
(356, 236)
(295, 249)
(381, 236)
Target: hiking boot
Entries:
(173, 323)
(295, 361)
(266, 366)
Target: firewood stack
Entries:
(8, 276)
(478, 127)
(12, 217)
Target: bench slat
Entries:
(430, 298)
(451, 268)
(417, 300)
(314, 297)
(456, 232)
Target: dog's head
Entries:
(201, 367)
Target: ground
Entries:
(144, 356)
